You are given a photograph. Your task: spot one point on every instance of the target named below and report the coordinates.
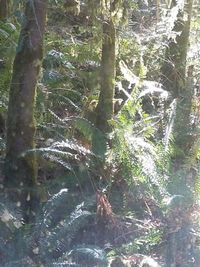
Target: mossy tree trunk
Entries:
(174, 77)
(20, 167)
(180, 243)
(4, 4)
(105, 108)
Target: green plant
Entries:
(51, 239)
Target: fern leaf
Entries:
(53, 211)
(90, 256)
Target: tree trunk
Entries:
(20, 167)
(105, 109)
(180, 239)
(4, 9)
(174, 67)
(182, 125)
(174, 78)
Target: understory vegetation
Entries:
(116, 185)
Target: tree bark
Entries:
(105, 107)
(20, 167)
(174, 78)
(4, 4)
(180, 240)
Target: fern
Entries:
(66, 153)
(52, 77)
(12, 246)
(54, 231)
(86, 128)
(128, 74)
(11, 216)
(54, 236)
(65, 100)
(152, 87)
(90, 132)
(53, 59)
(89, 256)
(8, 37)
(73, 146)
(53, 209)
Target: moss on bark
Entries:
(20, 167)
(4, 9)
(105, 109)
(174, 78)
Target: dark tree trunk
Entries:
(20, 168)
(4, 4)
(105, 109)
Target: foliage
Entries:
(134, 149)
(8, 35)
(142, 176)
(50, 238)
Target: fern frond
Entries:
(52, 77)
(12, 217)
(50, 150)
(53, 210)
(53, 59)
(60, 161)
(128, 74)
(85, 127)
(89, 256)
(67, 101)
(73, 146)
(55, 230)
(60, 240)
(64, 153)
(152, 87)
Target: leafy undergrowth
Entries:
(100, 232)
(127, 213)
(135, 211)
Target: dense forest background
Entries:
(99, 133)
